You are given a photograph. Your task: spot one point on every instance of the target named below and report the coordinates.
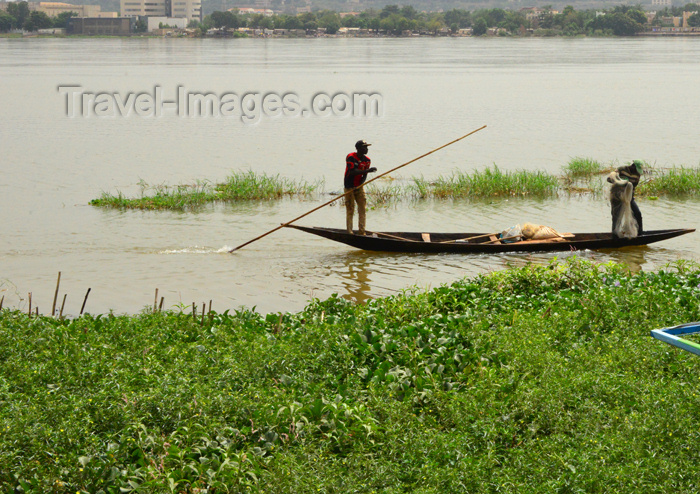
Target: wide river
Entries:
(544, 101)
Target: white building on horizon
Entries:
(189, 9)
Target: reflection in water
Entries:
(367, 275)
(633, 257)
(355, 277)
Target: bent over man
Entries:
(357, 166)
(626, 216)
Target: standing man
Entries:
(357, 166)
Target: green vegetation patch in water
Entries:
(678, 181)
(582, 175)
(491, 182)
(532, 379)
(178, 197)
(245, 186)
(239, 186)
(583, 167)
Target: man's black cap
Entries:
(361, 143)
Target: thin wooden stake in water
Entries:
(85, 301)
(160, 307)
(344, 194)
(60, 314)
(55, 295)
(155, 302)
(29, 312)
(1, 301)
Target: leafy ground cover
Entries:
(532, 379)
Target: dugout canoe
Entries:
(480, 243)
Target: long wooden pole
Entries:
(345, 193)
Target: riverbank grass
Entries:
(533, 379)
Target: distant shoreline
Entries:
(369, 36)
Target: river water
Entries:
(544, 101)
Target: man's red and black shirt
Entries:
(355, 162)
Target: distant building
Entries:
(52, 30)
(662, 3)
(686, 15)
(251, 10)
(672, 21)
(95, 26)
(536, 15)
(188, 9)
(53, 9)
(174, 22)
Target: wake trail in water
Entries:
(198, 250)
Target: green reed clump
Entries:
(382, 195)
(491, 182)
(583, 167)
(240, 186)
(678, 181)
(157, 197)
(532, 379)
(254, 186)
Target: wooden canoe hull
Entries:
(416, 241)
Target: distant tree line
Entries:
(18, 16)
(623, 20)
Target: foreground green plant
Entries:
(533, 379)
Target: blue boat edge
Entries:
(671, 335)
